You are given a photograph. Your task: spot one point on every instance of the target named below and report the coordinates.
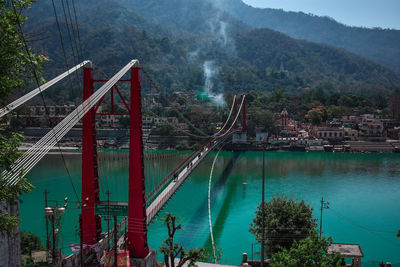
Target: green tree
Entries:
(315, 117)
(311, 251)
(166, 130)
(30, 242)
(124, 122)
(15, 62)
(9, 143)
(334, 112)
(285, 221)
(173, 250)
(264, 119)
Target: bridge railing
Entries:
(171, 188)
(153, 194)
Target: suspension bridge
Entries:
(143, 204)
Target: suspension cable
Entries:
(229, 116)
(209, 205)
(37, 152)
(41, 88)
(47, 142)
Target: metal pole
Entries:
(47, 222)
(115, 241)
(108, 220)
(81, 240)
(262, 210)
(320, 222)
(54, 239)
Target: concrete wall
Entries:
(10, 250)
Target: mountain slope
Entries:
(381, 46)
(266, 48)
(112, 34)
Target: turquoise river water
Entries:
(363, 191)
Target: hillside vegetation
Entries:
(379, 45)
(174, 39)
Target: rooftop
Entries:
(347, 250)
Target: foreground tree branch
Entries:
(173, 250)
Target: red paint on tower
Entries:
(90, 186)
(137, 225)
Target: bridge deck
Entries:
(165, 195)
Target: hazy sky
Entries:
(367, 13)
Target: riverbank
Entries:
(362, 191)
(357, 147)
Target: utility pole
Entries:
(115, 241)
(47, 221)
(54, 214)
(324, 205)
(81, 241)
(108, 219)
(54, 239)
(262, 210)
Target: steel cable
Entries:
(35, 153)
(41, 88)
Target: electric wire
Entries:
(77, 28)
(73, 32)
(343, 217)
(22, 171)
(61, 38)
(68, 31)
(372, 231)
(62, 43)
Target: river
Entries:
(363, 191)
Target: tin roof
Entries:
(347, 250)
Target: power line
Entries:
(41, 94)
(68, 31)
(62, 43)
(73, 31)
(341, 216)
(77, 27)
(60, 34)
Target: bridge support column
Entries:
(137, 225)
(91, 227)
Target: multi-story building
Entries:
(371, 129)
(350, 134)
(329, 133)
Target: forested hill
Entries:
(379, 45)
(265, 48)
(113, 32)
